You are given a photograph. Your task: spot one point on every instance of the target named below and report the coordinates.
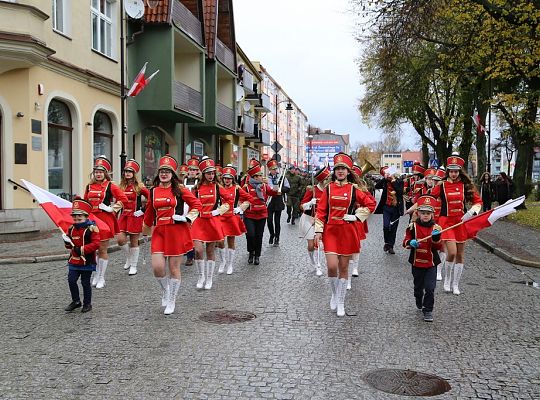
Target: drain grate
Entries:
(226, 316)
(406, 382)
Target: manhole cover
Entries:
(226, 316)
(406, 382)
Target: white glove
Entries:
(66, 239)
(138, 213)
(307, 206)
(215, 213)
(105, 207)
(350, 218)
(468, 215)
(179, 218)
(238, 210)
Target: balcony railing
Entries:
(246, 126)
(247, 82)
(225, 116)
(187, 99)
(225, 55)
(263, 135)
(188, 23)
(264, 104)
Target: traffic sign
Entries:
(407, 164)
(276, 146)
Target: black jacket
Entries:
(398, 188)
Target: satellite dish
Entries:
(239, 92)
(247, 106)
(134, 8)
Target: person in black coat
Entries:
(390, 206)
(276, 204)
(487, 191)
(504, 187)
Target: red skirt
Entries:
(457, 234)
(232, 225)
(130, 224)
(112, 223)
(171, 240)
(361, 231)
(341, 239)
(207, 230)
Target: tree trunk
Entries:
(425, 154)
(482, 105)
(466, 109)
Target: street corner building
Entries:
(59, 100)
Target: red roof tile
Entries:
(158, 14)
(210, 16)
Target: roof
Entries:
(210, 18)
(158, 14)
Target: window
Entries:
(103, 135)
(59, 148)
(60, 16)
(102, 26)
(155, 146)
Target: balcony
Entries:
(187, 99)
(225, 55)
(263, 135)
(247, 82)
(262, 102)
(188, 23)
(246, 126)
(225, 116)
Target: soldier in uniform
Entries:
(276, 204)
(294, 195)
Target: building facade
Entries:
(59, 100)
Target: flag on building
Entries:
(59, 209)
(140, 82)
(488, 218)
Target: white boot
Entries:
(458, 271)
(164, 283)
(101, 277)
(222, 260)
(95, 277)
(202, 273)
(125, 249)
(349, 280)
(312, 259)
(341, 293)
(354, 261)
(231, 253)
(133, 259)
(174, 285)
(448, 276)
(440, 267)
(334, 299)
(210, 266)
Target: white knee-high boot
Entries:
(230, 261)
(350, 272)
(174, 285)
(164, 283)
(210, 265)
(333, 286)
(133, 259)
(354, 261)
(125, 249)
(448, 271)
(440, 267)
(95, 277)
(101, 277)
(222, 260)
(458, 271)
(202, 273)
(341, 293)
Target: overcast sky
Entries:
(308, 46)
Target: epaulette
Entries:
(411, 226)
(93, 228)
(309, 187)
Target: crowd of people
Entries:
(195, 211)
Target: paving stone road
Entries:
(485, 342)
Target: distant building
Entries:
(321, 149)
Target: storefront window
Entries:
(103, 135)
(59, 148)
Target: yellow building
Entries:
(59, 100)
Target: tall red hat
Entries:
(417, 168)
(426, 202)
(168, 162)
(103, 164)
(219, 169)
(80, 206)
(255, 170)
(229, 172)
(382, 171)
(272, 164)
(430, 172)
(343, 160)
(455, 162)
(440, 174)
(207, 164)
(253, 162)
(132, 165)
(357, 170)
(322, 174)
(183, 169)
(193, 163)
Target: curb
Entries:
(54, 257)
(505, 255)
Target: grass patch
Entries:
(529, 217)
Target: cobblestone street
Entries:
(485, 342)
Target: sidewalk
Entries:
(512, 242)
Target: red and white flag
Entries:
(140, 82)
(480, 129)
(59, 209)
(488, 218)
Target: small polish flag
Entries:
(140, 82)
(59, 209)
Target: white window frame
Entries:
(110, 47)
(66, 16)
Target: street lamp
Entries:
(288, 108)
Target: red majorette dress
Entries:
(362, 227)
(127, 222)
(207, 228)
(339, 236)
(231, 223)
(451, 196)
(104, 192)
(257, 208)
(307, 220)
(170, 238)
